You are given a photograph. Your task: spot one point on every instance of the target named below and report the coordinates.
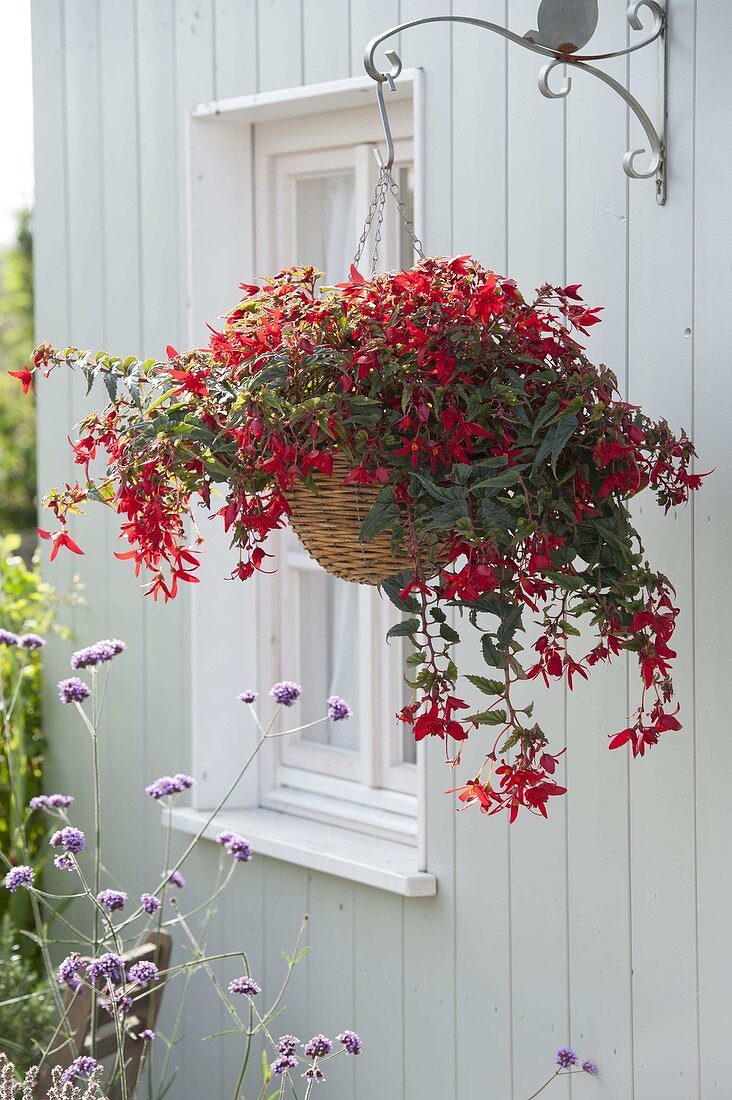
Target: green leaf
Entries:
(488, 687)
(491, 655)
(414, 660)
(382, 516)
(567, 581)
(546, 414)
(510, 623)
(563, 431)
(110, 381)
(404, 629)
(500, 481)
(393, 586)
(488, 718)
(447, 632)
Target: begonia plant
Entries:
(505, 463)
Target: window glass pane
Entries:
(329, 620)
(325, 223)
(328, 644)
(405, 732)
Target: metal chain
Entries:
(375, 217)
(379, 198)
(404, 214)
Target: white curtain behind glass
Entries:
(325, 232)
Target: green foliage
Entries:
(26, 1004)
(17, 410)
(27, 605)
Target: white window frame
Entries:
(373, 788)
(224, 248)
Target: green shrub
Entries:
(27, 605)
(17, 412)
(26, 1004)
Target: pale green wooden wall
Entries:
(609, 925)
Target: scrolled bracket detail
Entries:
(559, 51)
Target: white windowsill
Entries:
(372, 861)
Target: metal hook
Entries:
(387, 79)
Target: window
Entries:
(313, 182)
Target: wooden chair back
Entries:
(155, 948)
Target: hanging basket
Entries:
(328, 522)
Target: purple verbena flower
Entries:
(112, 900)
(236, 846)
(147, 1035)
(70, 839)
(287, 1044)
(318, 1046)
(338, 709)
(175, 878)
(64, 862)
(566, 1058)
(108, 965)
(150, 903)
(83, 1066)
(51, 802)
(68, 970)
(589, 1067)
(19, 876)
(283, 1063)
(245, 986)
(73, 690)
(351, 1041)
(143, 973)
(167, 785)
(314, 1074)
(31, 641)
(92, 655)
(8, 638)
(286, 693)
(248, 697)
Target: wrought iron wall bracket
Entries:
(565, 28)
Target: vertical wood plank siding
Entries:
(608, 927)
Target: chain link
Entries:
(375, 217)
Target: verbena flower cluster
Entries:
(503, 462)
(83, 1066)
(97, 654)
(319, 1047)
(236, 846)
(168, 785)
(338, 709)
(112, 900)
(73, 690)
(150, 903)
(51, 802)
(175, 878)
(29, 642)
(70, 839)
(286, 693)
(244, 986)
(566, 1059)
(19, 876)
(143, 973)
(68, 971)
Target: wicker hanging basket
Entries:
(328, 521)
